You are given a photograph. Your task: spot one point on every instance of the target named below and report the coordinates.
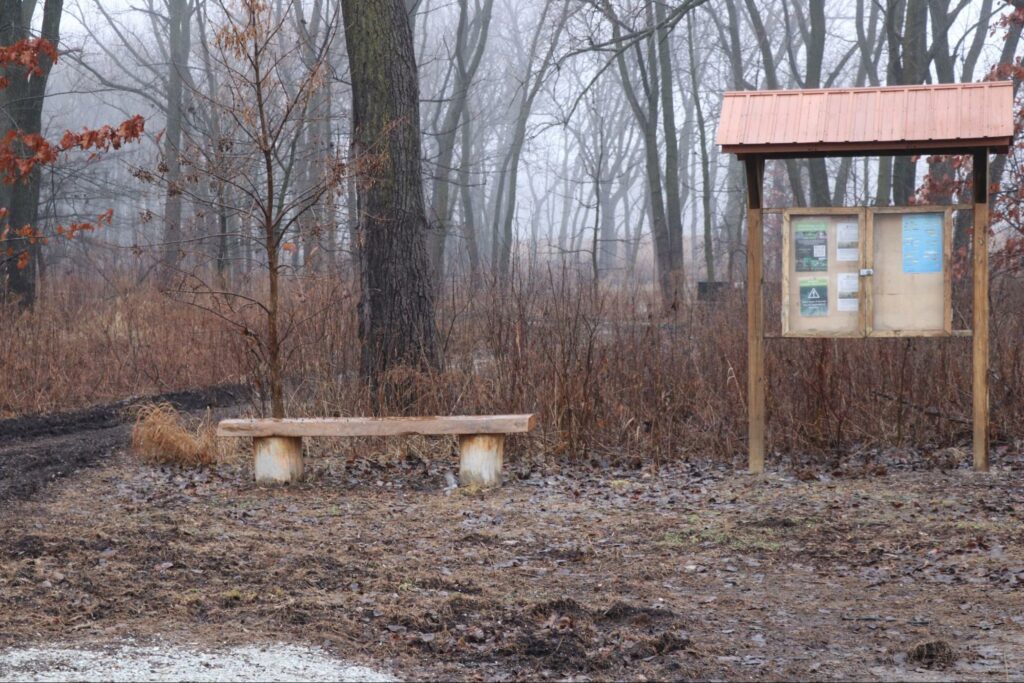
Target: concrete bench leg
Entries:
(480, 459)
(278, 459)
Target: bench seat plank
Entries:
(378, 426)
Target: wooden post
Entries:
(480, 459)
(981, 304)
(278, 459)
(755, 315)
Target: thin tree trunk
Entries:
(735, 53)
(815, 49)
(910, 67)
(563, 228)
(709, 254)
(673, 205)
(646, 115)
(469, 230)
(532, 85)
(456, 111)
(172, 248)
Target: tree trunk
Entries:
(23, 112)
(316, 140)
(179, 25)
(673, 205)
(466, 194)
(456, 112)
(909, 68)
(816, 37)
(705, 164)
(505, 214)
(567, 192)
(940, 167)
(396, 307)
(646, 115)
(736, 65)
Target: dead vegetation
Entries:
(163, 436)
(615, 380)
(87, 343)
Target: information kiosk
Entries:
(867, 271)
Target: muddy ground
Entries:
(39, 449)
(692, 572)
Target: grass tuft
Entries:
(162, 436)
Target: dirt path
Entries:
(39, 449)
(695, 572)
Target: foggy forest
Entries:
(519, 213)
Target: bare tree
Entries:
(267, 85)
(470, 43)
(557, 13)
(664, 223)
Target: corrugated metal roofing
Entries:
(868, 120)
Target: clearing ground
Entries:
(161, 662)
(694, 571)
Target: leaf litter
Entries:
(690, 572)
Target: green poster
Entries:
(814, 296)
(810, 242)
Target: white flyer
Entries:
(847, 292)
(848, 241)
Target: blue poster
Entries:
(922, 243)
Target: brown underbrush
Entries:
(94, 341)
(614, 377)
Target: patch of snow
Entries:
(125, 662)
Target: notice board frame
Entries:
(865, 266)
(946, 329)
(787, 266)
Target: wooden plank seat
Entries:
(277, 443)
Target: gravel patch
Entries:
(171, 663)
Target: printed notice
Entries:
(922, 243)
(810, 239)
(847, 291)
(847, 241)
(814, 296)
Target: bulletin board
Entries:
(856, 272)
(822, 257)
(910, 286)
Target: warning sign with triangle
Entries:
(814, 296)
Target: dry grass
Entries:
(163, 436)
(96, 341)
(613, 377)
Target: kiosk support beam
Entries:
(981, 308)
(755, 315)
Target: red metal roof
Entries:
(866, 121)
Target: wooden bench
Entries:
(277, 444)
